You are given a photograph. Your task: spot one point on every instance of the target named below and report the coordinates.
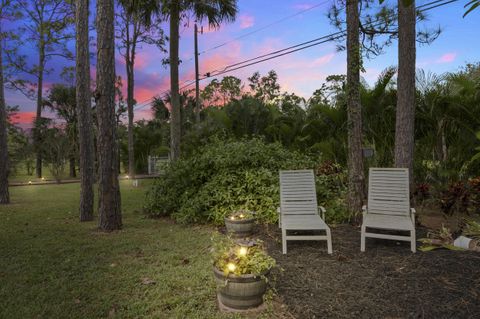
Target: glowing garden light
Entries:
(241, 216)
(232, 217)
(231, 267)
(127, 177)
(29, 182)
(242, 251)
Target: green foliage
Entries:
(222, 177)
(225, 176)
(251, 260)
(331, 184)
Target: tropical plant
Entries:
(442, 238)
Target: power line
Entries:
(265, 27)
(298, 47)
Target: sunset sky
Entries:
(301, 72)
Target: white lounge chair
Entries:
(298, 208)
(388, 206)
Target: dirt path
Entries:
(387, 281)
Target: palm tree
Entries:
(356, 179)
(215, 12)
(405, 117)
(108, 187)
(84, 115)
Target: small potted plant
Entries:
(240, 223)
(240, 272)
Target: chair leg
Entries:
(329, 241)
(284, 241)
(413, 243)
(362, 239)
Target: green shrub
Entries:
(225, 176)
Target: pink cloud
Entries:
(246, 21)
(323, 60)
(447, 58)
(302, 6)
(23, 117)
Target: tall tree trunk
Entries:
(356, 179)
(38, 124)
(84, 111)
(130, 63)
(405, 118)
(4, 195)
(176, 121)
(71, 164)
(109, 201)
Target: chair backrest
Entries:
(297, 192)
(388, 191)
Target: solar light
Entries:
(127, 177)
(231, 267)
(232, 217)
(241, 216)
(242, 251)
(43, 178)
(29, 182)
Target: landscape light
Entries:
(242, 251)
(231, 267)
(232, 217)
(43, 178)
(241, 216)
(29, 182)
(127, 177)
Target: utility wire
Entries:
(278, 53)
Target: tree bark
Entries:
(176, 122)
(405, 115)
(109, 201)
(356, 179)
(4, 169)
(41, 64)
(130, 63)
(84, 111)
(71, 164)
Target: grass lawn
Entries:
(53, 266)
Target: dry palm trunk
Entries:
(176, 122)
(405, 118)
(356, 179)
(110, 217)
(84, 116)
(4, 194)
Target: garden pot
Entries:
(467, 243)
(240, 292)
(240, 227)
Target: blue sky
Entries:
(300, 72)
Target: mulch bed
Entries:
(387, 281)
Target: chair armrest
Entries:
(279, 211)
(322, 212)
(364, 210)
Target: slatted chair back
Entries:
(388, 191)
(297, 193)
